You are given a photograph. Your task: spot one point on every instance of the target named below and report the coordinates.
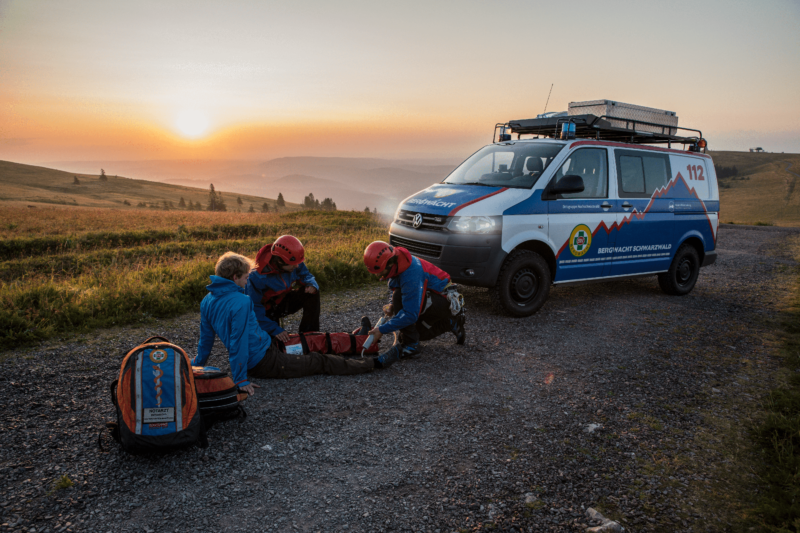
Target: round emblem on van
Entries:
(580, 240)
(158, 356)
(417, 220)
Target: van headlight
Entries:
(476, 225)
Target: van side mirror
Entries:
(568, 185)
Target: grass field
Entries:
(40, 186)
(69, 270)
(763, 191)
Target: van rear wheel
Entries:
(523, 284)
(682, 274)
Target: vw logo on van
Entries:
(417, 220)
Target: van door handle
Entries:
(605, 205)
(626, 205)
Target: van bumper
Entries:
(469, 259)
(709, 258)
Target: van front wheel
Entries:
(682, 274)
(523, 284)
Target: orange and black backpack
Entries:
(156, 400)
(218, 397)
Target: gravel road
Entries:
(530, 423)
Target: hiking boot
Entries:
(366, 325)
(410, 351)
(389, 357)
(458, 328)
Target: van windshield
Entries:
(510, 164)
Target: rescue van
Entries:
(600, 192)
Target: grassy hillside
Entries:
(67, 270)
(763, 191)
(40, 185)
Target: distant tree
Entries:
(239, 201)
(375, 211)
(126, 202)
(215, 201)
(366, 210)
(316, 204)
(277, 210)
(182, 203)
(190, 206)
(281, 202)
(103, 176)
(166, 205)
(252, 209)
(308, 201)
(334, 206)
(328, 205)
(171, 205)
(265, 207)
(75, 180)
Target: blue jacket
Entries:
(267, 287)
(414, 278)
(228, 313)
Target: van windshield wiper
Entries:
(477, 183)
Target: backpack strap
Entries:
(353, 344)
(304, 343)
(328, 342)
(113, 390)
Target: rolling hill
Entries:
(40, 185)
(764, 189)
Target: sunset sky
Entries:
(112, 80)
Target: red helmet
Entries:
(289, 249)
(377, 255)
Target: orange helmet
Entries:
(289, 249)
(377, 255)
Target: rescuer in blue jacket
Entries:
(281, 285)
(420, 309)
(228, 313)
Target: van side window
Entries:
(591, 164)
(640, 174)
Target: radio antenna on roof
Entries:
(548, 99)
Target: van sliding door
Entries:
(645, 233)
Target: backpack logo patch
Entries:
(158, 356)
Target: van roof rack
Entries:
(601, 128)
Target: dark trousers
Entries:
(433, 321)
(279, 365)
(295, 301)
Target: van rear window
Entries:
(641, 174)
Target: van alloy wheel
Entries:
(523, 284)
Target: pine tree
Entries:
(103, 176)
(126, 202)
(366, 210)
(281, 202)
(75, 180)
(251, 210)
(308, 201)
(316, 204)
(182, 203)
(212, 199)
(239, 201)
(265, 207)
(375, 211)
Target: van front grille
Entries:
(416, 247)
(429, 222)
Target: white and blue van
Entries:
(587, 199)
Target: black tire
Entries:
(523, 284)
(679, 280)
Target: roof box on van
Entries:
(622, 115)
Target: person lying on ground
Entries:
(419, 309)
(228, 313)
(280, 285)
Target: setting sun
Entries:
(191, 123)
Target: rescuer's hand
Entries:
(249, 389)
(377, 333)
(282, 336)
(311, 290)
(388, 310)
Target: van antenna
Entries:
(548, 99)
